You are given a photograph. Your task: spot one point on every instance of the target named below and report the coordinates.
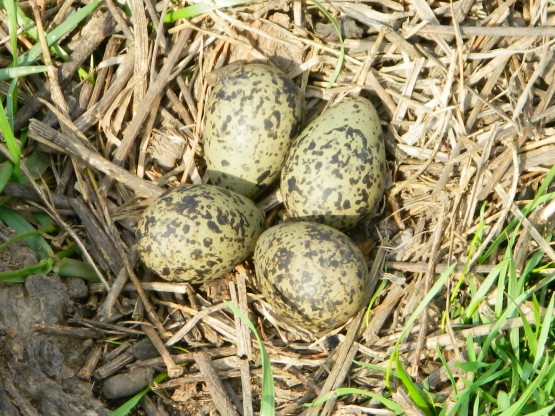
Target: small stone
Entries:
(123, 385)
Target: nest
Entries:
(465, 91)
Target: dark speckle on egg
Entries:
(198, 232)
(312, 275)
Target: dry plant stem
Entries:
(244, 346)
(187, 358)
(352, 10)
(430, 273)
(508, 201)
(199, 378)
(99, 28)
(140, 25)
(239, 298)
(345, 355)
(150, 408)
(48, 136)
(51, 210)
(143, 298)
(16, 190)
(118, 351)
(121, 24)
(172, 368)
(409, 267)
(215, 387)
(246, 387)
(500, 165)
(107, 328)
(461, 337)
(97, 111)
(145, 108)
(105, 311)
(114, 365)
(376, 269)
(436, 136)
(534, 233)
(402, 399)
(470, 31)
(104, 76)
(480, 177)
(546, 58)
(191, 323)
(150, 286)
(382, 313)
(215, 324)
(160, 40)
(101, 240)
(68, 331)
(147, 131)
(87, 371)
(547, 212)
(55, 89)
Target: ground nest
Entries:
(464, 90)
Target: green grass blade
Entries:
(23, 22)
(448, 371)
(414, 392)
(197, 9)
(375, 296)
(9, 138)
(11, 11)
(509, 311)
(31, 56)
(19, 275)
(37, 163)
(546, 411)
(21, 226)
(474, 244)
(532, 263)
(434, 290)
(267, 402)
(516, 408)
(539, 198)
(6, 171)
(345, 391)
(513, 292)
(484, 290)
(375, 367)
(530, 336)
(341, 57)
(11, 104)
(68, 267)
(21, 71)
(547, 325)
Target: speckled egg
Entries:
(335, 170)
(196, 233)
(311, 274)
(252, 116)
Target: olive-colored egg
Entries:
(196, 233)
(252, 116)
(311, 274)
(335, 170)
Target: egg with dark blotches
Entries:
(335, 171)
(251, 118)
(197, 233)
(311, 274)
